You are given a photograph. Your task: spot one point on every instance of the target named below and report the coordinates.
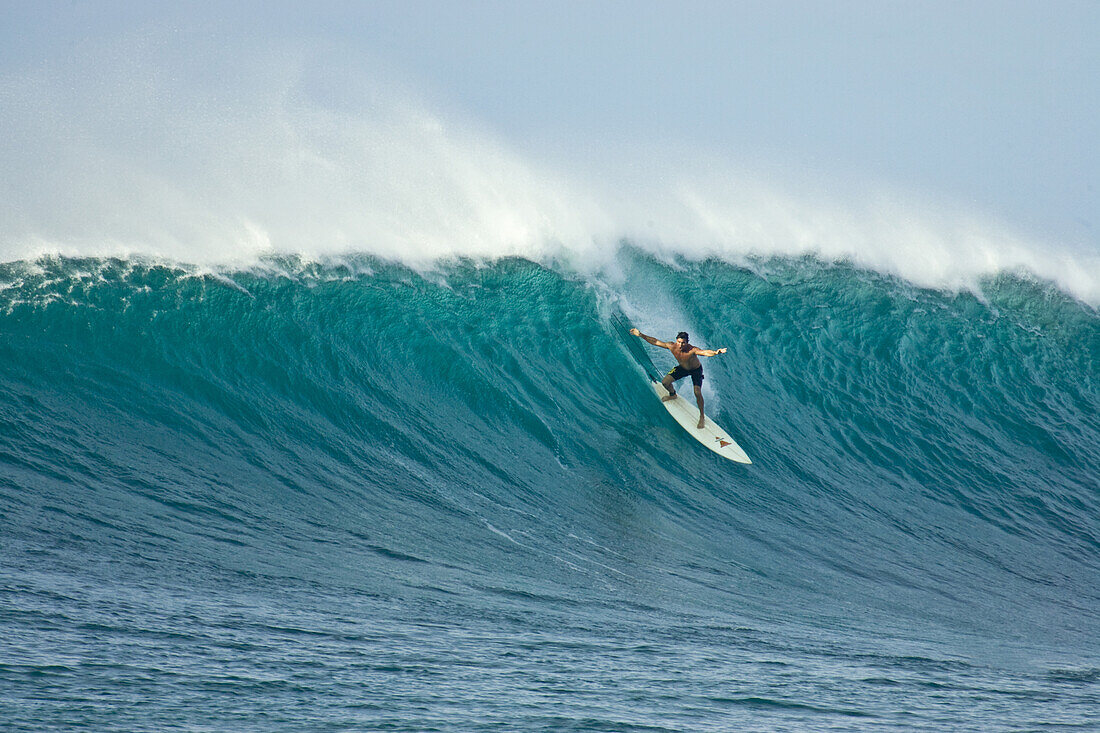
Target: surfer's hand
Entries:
(635, 332)
(722, 350)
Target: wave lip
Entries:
(138, 163)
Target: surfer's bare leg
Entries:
(667, 384)
(699, 399)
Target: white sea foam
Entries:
(140, 157)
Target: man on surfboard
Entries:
(688, 365)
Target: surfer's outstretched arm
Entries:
(710, 352)
(650, 339)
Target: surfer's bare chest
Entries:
(686, 359)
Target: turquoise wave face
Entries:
(485, 432)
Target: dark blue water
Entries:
(354, 496)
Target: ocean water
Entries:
(355, 495)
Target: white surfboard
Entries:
(711, 435)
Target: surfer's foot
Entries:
(671, 396)
(702, 421)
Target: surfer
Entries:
(688, 365)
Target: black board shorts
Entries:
(678, 373)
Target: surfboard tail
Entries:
(711, 435)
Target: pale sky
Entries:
(994, 105)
